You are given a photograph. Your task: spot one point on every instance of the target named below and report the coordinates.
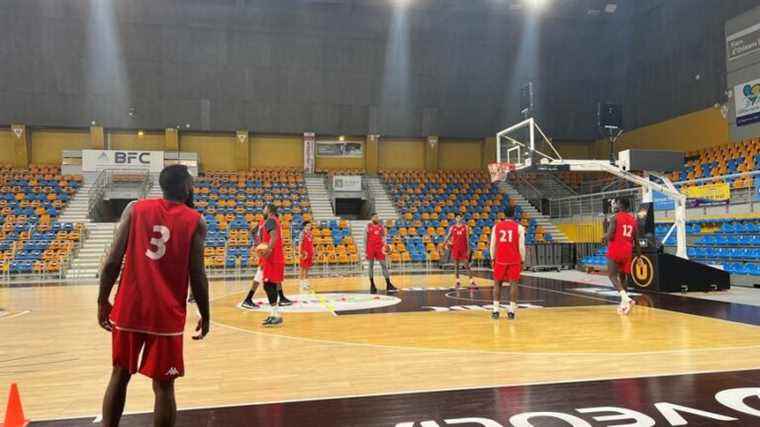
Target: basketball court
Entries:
(430, 352)
(343, 194)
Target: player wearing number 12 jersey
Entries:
(160, 242)
(507, 254)
(621, 239)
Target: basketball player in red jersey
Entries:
(306, 251)
(459, 240)
(161, 244)
(508, 254)
(621, 240)
(258, 278)
(374, 249)
(273, 266)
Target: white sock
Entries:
(496, 306)
(273, 312)
(512, 307)
(624, 298)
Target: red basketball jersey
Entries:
(625, 229)
(277, 256)
(375, 235)
(507, 235)
(307, 244)
(153, 287)
(459, 235)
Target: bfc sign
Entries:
(97, 160)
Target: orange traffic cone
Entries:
(14, 413)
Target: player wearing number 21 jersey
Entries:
(160, 244)
(508, 254)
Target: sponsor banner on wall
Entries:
(97, 160)
(743, 43)
(309, 140)
(707, 195)
(340, 149)
(347, 183)
(747, 99)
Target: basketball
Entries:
(261, 249)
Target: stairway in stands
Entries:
(321, 208)
(541, 219)
(87, 261)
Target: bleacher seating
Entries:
(232, 204)
(428, 203)
(730, 242)
(574, 180)
(728, 159)
(31, 240)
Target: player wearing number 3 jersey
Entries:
(160, 242)
(508, 254)
(621, 239)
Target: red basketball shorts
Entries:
(375, 252)
(273, 272)
(507, 272)
(460, 253)
(161, 354)
(622, 256)
(307, 262)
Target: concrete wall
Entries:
(742, 70)
(670, 58)
(448, 68)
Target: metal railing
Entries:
(593, 204)
(96, 193)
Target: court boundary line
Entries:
(596, 307)
(7, 316)
(512, 353)
(408, 392)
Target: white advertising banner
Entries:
(97, 160)
(747, 96)
(309, 141)
(347, 183)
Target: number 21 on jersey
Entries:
(505, 236)
(159, 243)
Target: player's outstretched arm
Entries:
(198, 279)
(112, 267)
(521, 232)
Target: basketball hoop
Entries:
(499, 171)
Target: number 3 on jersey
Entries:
(159, 243)
(505, 236)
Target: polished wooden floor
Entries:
(51, 346)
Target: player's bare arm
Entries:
(112, 267)
(198, 279)
(274, 237)
(492, 248)
(610, 235)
